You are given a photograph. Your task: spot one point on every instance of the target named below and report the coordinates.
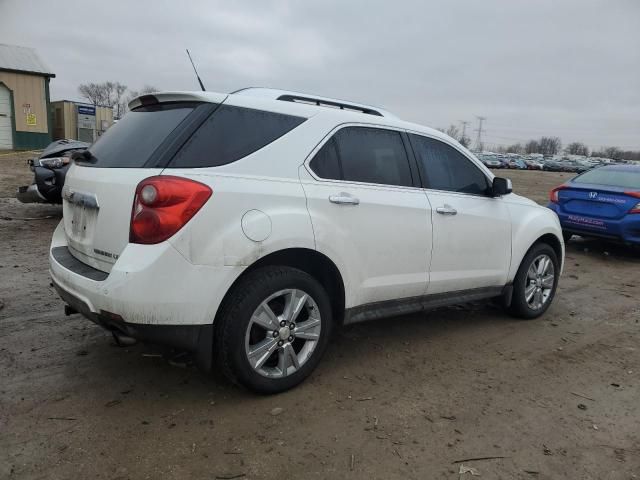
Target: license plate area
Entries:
(81, 217)
(83, 222)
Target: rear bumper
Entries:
(148, 286)
(626, 229)
(194, 338)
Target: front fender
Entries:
(529, 224)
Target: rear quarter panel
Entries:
(215, 236)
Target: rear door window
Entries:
(445, 168)
(373, 155)
(326, 163)
(131, 142)
(232, 133)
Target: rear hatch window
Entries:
(182, 135)
(232, 133)
(132, 142)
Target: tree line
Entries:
(113, 95)
(549, 146)
(553, 146)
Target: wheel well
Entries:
(553, 241)
(315, 264)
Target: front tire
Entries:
(535, 284)
(273, 329)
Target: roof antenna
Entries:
(194, 69)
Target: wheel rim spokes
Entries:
(287, 359)
(282, 333)
(261, 352)
(265, 317)
(309, 330)
(295, 302)
(539, 282)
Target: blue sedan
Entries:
(603, 202)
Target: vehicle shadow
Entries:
(158, 375)
(582, 245)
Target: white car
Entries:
(245, 227)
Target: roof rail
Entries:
(307, 99)
(329, 103)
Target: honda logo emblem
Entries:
(593, 194)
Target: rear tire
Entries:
(273, 329)
(535, 284)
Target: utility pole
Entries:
(479, 130)
(464, 128)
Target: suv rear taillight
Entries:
(636, 208)
(163, 205)
(553, 194)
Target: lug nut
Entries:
(290, 338)
(280, 343)
(292, 326)
(283, 323)
(275, 334)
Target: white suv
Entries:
(245, 227)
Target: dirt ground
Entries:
(408, 397)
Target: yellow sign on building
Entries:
(31, 119)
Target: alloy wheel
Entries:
(540, 281)
(282, 333)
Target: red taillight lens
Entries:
(553, 194)
(636, 208)
(163, 205)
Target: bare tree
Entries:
(465, 141)
(453, 132)
(515, 148)
(105, 94)
(532, 146)
(550, 145)
(577, 148)
(612, 152)
(119, 91)
(112, 95)
(94, 92)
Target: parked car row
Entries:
(553, 164)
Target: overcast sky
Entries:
(547, 67)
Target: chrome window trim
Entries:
(330, 135)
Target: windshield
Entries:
(131, 142)
(625, 178)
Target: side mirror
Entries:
(501, 186)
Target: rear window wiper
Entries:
(84, 157)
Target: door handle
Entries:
(446, 210)
(344, 199)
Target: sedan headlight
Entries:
(55, 162)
